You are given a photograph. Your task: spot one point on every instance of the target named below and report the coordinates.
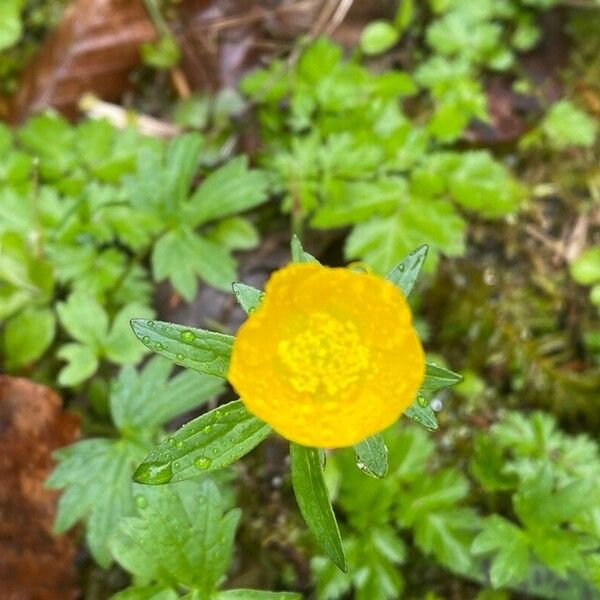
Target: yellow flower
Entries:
(329, 357)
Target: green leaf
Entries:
(120, 346)
(184, 256)
(142, 402)
(28, 335)
(313, 500)
(384, 241)
(441, 527)
(82, 363)
(84, 318)
(256, 595)
(565, 125)
(11, 27)
(438, 378)
(96, 475)
(481, 184)
(229, 190)
(423, 415)
(298, 253)
(404, 275)
(585, 269)
(205, 351)
(510, 548)
(181, 538)
(207, 443)
(372, 456)
(234, 233)
(147, 592)
(378, 37)
(248, 297)
(163, 54)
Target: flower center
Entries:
(328, 353)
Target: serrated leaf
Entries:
(96, 475)
(510, 547)
(248, 297)
(82, 362)
(313, 500)
(384, 241)
(229, 190)
(205, 351)
(142, 402)
(208, 443)
(405, 274)
(181, 538)
(372, 456)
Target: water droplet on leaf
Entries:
(202, 463)
(154, 473)
(141, 501)
(187, 336)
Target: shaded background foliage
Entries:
(467, 126)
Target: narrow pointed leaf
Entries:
(372, 456)
(437, 378)
(248, 297)
(313, 500)
(404, 275)
(423, 415)
(298, 253)
(205, 351)
(208, 443)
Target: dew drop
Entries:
(159, 347)
(180, 357)
(436, 404)
(180, 445)
(187, 336)
(150, 323)
(202, 463)
(422, 401)
(171, 441)
(146, 339)
(154, 473)
(207, 429)
(141, 501)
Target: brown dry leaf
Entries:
(34, 563)
(93, 50)
(223, 39)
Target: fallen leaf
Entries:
(94, 49)
(34, 563)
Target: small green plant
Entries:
(95, 474)
(82, 211)
(342, 152)
(220, 437)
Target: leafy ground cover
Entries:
(434, 129)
